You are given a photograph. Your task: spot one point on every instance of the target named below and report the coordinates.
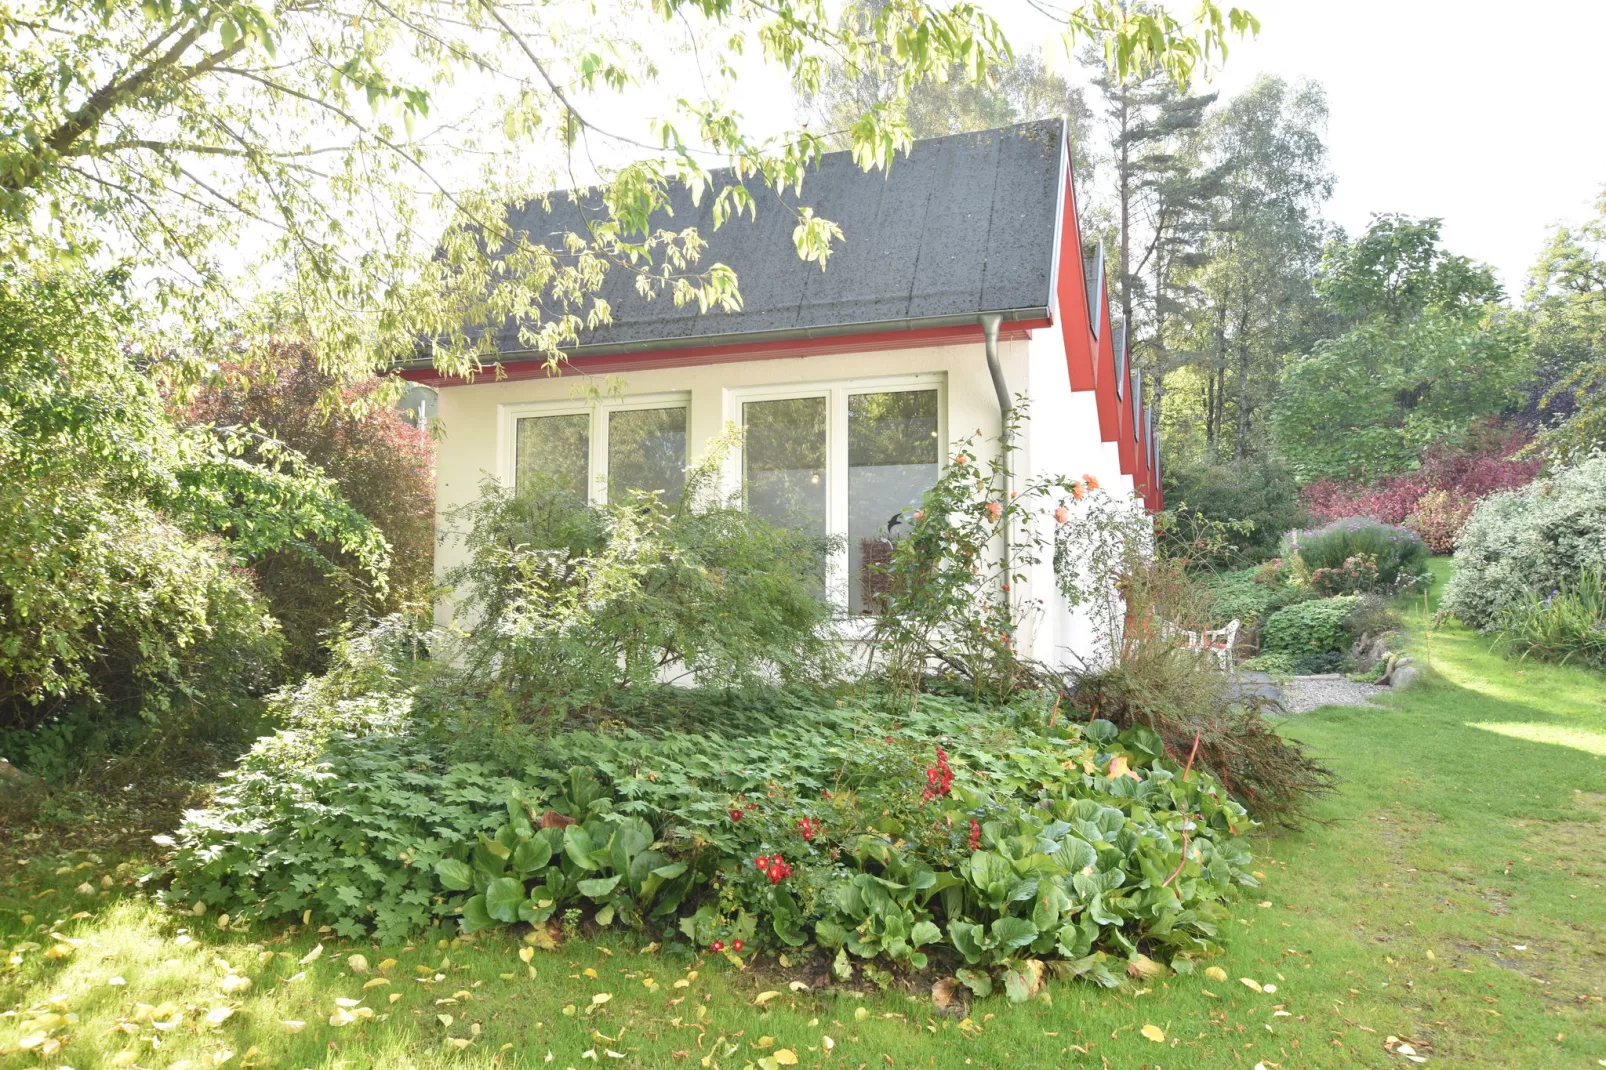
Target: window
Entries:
(598, 452)
(852, 461)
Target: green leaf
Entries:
(924, 932)
(502, 898)
(1013, 932)
(455, 875)
(597, 887)
(531, 854)
(577, 845)
(475, 916)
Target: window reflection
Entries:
(892, 462)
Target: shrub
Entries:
(1399, 556)
(381, 464)
(1437, 519)
(122, 536)
(1537, 539)
(1486, 463)
(1260, 492)
(1356, 575)
(982, 834)
(1313, 634)
(581, 606)
(1568, 624)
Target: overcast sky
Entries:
(1489, 115)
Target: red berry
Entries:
(717, 946)
(736, 815)
(736, 945)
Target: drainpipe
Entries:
(989, 327)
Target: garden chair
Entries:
(1222, 641)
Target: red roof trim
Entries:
(690, 356)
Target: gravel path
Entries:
(1304, 693)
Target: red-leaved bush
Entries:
(383, 464)
(1436, 499)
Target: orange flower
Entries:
(1061, 515)
(961, 459)
(994, 511)
(1078, 490)
(1091, 481)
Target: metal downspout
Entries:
(990, 322)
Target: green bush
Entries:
(576, 606)
(123, 600)
(1399, 556)
(1568, 624)
(1259, 491)
(954, 828)
(382, 465)
(1313, 634)
(1251, 595)
(1530, 541)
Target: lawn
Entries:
(1451, 899)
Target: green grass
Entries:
(1451, 897)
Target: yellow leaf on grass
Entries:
(1154, 1033)
(387, 964)
(219, 1015)
(234, 983)
(1249, 982)
(346, 1001)
(1216, 973)
(786, 1057)
(763, 998)
(600, 998)
(375, 983)
(589, 972)
(526, 953)
(445, 1020)
(313, 955)
(357, 964)
(293, 1026)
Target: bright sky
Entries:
(1485, 114)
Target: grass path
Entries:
(1452, 898)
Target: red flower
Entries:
(808, 828)
(825, 793)
(736, 815)
(736, 944)
(761, 862)
(975, 834)
(717, 946)
(939, 778)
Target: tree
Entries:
(1567, 301)
(124, 538)
(336, 134)
(1253, 301)
(1428, 351)
(1019, 88)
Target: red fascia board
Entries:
(1071, 293)
(730, 353)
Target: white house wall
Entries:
(1063, 438)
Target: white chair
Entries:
(1223, 641)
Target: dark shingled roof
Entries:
(963, 225)
(1093, 273)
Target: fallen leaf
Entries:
(234, 983)
(1142, 966)
(942, 992)
(375, 983)
(764, 997)
(786, 1057)
(1154, 1033)
(293, 1026)
(219, 1015)
(313, 955)
(1248, 982)
(1215, 973)
(526, 953)
(600, 998)
(357, 964)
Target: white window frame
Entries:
(599, 410)
(836, 393)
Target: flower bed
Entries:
(976, 835)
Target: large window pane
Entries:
(646, 451)
(784, 461)
(892, 461)
(553, 455)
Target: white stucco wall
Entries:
(1063, 437)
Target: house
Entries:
(960, 283)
